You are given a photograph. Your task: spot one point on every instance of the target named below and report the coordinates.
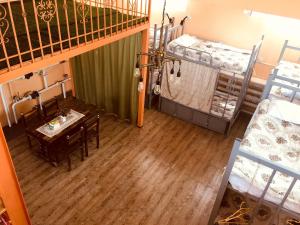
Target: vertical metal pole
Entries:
(283, 200)
(269, 84)
(224, 183)
(261, 198)
(283, 51)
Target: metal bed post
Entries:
(245, 81)
(283, 51)
(224, 182)
(165, 43)
(263, 194)
(284, 48)
(269, 84)
(166, 36)
(151, 71)
(249, 71)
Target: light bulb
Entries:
(137, 72)
(141, 85)
(157, 89)
(172, 71)
(179, 73)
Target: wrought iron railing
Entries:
(33, 29)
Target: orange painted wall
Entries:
(55, 73)
(9, 187)
(288, 8)
(224, 20)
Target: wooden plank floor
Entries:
(165, 173)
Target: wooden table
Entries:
(49, 143)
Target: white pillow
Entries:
(186, 40)
(285, 110)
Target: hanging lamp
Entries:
(157, 59)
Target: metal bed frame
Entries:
(168, 37)
(211, 121)
(274, 80)
(285, 47)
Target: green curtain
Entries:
(105, 77)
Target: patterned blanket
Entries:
(231, 203)
(275, 140)
(289, 70)
(215, 54)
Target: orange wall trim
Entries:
(70, 53)
(9, 187)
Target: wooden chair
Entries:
(50, 107)
(70, 144)
(90, 124)
(32, 118)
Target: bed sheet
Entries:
(222, 107)
(216, 54)
(277, 141)
(290, 70)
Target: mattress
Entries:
(275, 140)
(290, 70)
(223, 105)
(214, 54)
(196, 89)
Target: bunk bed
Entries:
(154, 39)
(214, 80)
(287, 73)
(32, 29)
(265, 163)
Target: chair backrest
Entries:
(32, 117)
(75, 134)
(92, 121)
(50, 107)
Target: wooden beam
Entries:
(144, 60)
(9, 187)
(51, 60)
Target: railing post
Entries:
(38, 27)
(141, 101)
(14, 31)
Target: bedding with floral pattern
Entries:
(277, 141)
(215, 54)
(288, 70)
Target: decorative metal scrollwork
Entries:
(4, 25)
(83, 10)
(46, 10)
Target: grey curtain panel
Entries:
(105, 77)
